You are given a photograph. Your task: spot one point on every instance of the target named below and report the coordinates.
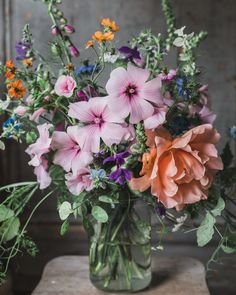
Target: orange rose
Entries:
(180, 171)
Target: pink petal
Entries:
(119, 78)
(80, 110)
(151, 91)
(61, 140)
(112, 133)
(138, 75)
(43, 176)
(140, 110)
(81, 160)
(119, 105)
(156, 120)
(65, 158)
(90, 138)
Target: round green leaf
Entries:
(65, 210)
(5, 213)
(99, 214)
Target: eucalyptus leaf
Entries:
(99, 214)
(178, 42)
(65, 210)
(2, 145)
(108, 199)
(205, 231)
(10, 228)
(219, 207)
(5, 213)
(64, 227)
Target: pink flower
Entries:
(41, 146)
(65, 86)
(169, 76)
(29, 100)
(205, 113)
(36, 115)
(43, 177)
(69, 155)
(130, 93)
(20, 111)
(157, 119)
(79, 182)
(101, 123)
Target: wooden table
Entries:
(69, 275)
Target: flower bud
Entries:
(69, 29)
(55, 31)
(73, 50)
(56, 49)
(63, 20)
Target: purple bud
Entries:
(69, 29)
(73, 50)
(55, 31)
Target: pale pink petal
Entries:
(81, 160)
(151, 91)
(118, 81)
(90, 138)
(36, 115)
(138, 75)
(140, 110)
(61, 140)
(112, 133)
(119, 105)
(157, 119)
(65, 158)
(80, 110)
(43, 177)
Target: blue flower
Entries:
(9, 122)
(11, 128)
(180, 85)
(86, 70)
(97, 174)
(232, 132)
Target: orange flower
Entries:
(10, 74)
(27, 62)
(89, 44)
(180, 171)
(108, 23)
(103, 37)
(16, 89)
(10, 64)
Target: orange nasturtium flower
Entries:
(103, 37)
(89, 44)
(10, 64)
(10, 74)
(27, 62)
(16, 89)
(108, 23)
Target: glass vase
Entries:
(120, 250)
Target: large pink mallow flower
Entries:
(181, 170)
(79, 182)
(43, 177)
(69, 154)
(65, 86)
(157, 119)
(41, 146)
(100, 123)
(131, 94)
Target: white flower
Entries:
(110, 58)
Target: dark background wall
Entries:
(217, 59)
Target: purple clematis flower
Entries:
(22, 50)
(130, 53)
(120, 176)
(118, 158)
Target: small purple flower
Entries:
(73, 50)
(130, 53)
(120, 176)
(118, 158)
(22, 49)
(69, 29)
(161, 210)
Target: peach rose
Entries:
(179, 171)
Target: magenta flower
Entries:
(100, 122)
(65, 86)
(41, 146)
(131, 94)
(69, 29)
(69, 154)
(79, 182)
(43, 177)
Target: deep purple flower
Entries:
(160, 209)
(130, 53)
(118, 158)
(120, 176)
(22, 49)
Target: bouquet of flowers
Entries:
(113, 153)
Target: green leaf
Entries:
(99, 214)
(5, 213)
(219, 207)
(205, 231)
(10, 228)
(227, 156)
(178, 42)
(64, 227)
(108, 199)
(2, 145)
(65, 210)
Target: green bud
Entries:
(63, 20)
(59, 14)
(31, 137)
(56, 49)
